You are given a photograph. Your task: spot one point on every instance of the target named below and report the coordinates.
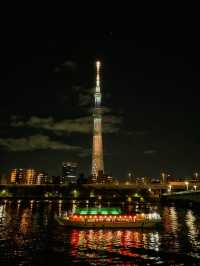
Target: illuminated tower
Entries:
(97, 151)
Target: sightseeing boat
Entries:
(108, 218)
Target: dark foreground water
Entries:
(30, 236)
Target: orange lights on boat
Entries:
(76, 217)
(107, 217)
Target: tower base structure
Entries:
(100, 179)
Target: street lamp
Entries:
(129, 176)
(196, 175)
(129, 199)
(195, 187)
(163, 178)
(75, 193)
(169, 188)
(187, 185)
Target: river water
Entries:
(29, 235)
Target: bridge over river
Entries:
(189, 196)
(69, 191)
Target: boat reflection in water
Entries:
(108, 246)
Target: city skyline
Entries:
(150, 105)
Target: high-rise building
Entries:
(28, 176)
(18, 176)
(13, 176)
(97, 151)
(69, 172)
(41, 178)
(105, 179)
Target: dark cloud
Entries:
(136, 133)
(85, 153)
(85, 96)
(77, 88)
(150, 152)
(56, 69)
(85, 99)
(111, 124)
(35, 142)
(68, 64)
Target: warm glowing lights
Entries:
(196, 174)
(98, 64)
(75, 193)
(115, 218)
(27, 176)
(92, 194)
(169, 188)
(129, 199)
(30, 176)
(2, 211)
(187, 185)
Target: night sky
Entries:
(150, 85)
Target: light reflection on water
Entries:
(112, 244)
(171, 226)
(30, 236)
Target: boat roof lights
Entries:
(95, 211)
